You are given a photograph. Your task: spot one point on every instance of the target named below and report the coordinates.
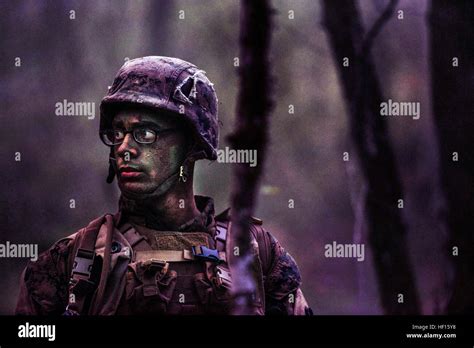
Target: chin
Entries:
(135, 188)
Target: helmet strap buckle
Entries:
(182, 174)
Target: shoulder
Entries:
(51, 258)
(281, 273)
(47, 278)
(62, 248)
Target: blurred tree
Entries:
(40, 69)
(46, 53)
(253, 106)
(452, 70)
(386, 229)
(159, 31)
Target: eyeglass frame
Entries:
(156, 130)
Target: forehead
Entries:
(130, 117)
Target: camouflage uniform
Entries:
(128, 263)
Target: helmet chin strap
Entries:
(166, 184)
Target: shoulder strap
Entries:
(262, 260)
(81, 284)
(264, 246)
(258, 232)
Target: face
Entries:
(143, 167)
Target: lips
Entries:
(129, 172)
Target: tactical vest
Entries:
(122, 272)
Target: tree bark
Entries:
(363, 95)
(452, 36)
(253, 108)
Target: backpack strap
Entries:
(83, 280)
(259, 234)
(264, 244)
(135, 239)
(262, 261)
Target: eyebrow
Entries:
(136, 124)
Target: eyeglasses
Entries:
(141, 134)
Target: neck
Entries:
(172, 209)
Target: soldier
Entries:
(165, 250)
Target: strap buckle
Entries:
(83, 262)
(221, 233)
(151, 272)
(204, 253)
(154, 266)
(223, 277)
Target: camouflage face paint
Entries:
(143, 167)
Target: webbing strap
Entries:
(133, 237)
(80, 284)
(164, 255)
(170, 255)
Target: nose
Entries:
(128, 145)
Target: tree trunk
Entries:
(160, 12)
(452, 37)
(363, 95)
(253, 107)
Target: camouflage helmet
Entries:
(167, 84)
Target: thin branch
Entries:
(377, 27)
